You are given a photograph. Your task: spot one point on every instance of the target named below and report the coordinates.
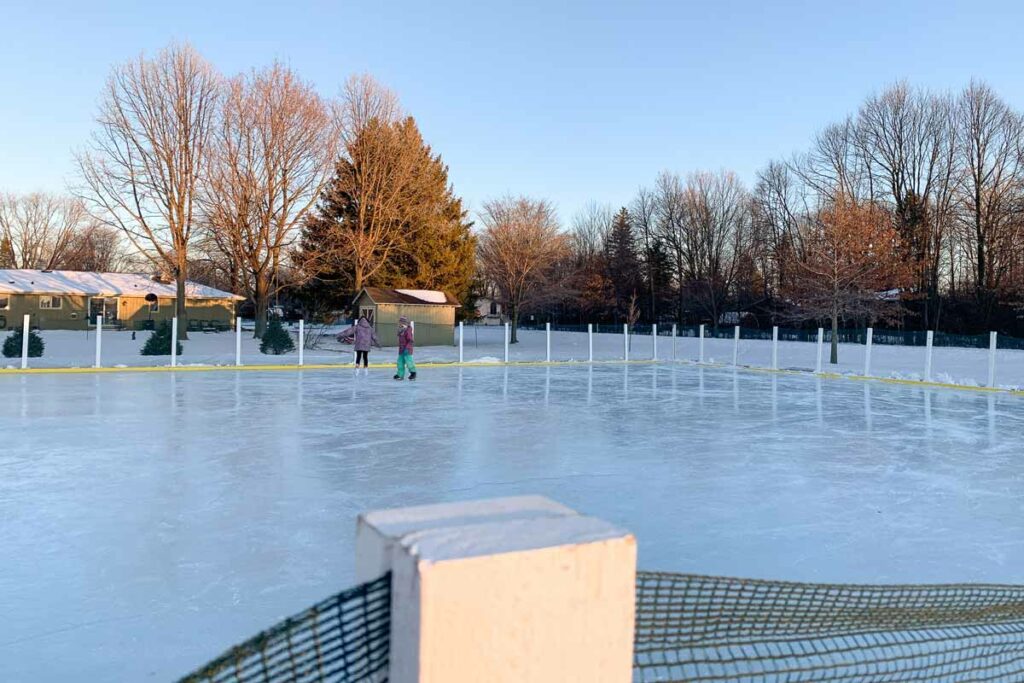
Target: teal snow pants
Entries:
(405, 361)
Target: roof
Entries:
(410, 297)
(80, 283)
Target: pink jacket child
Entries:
(363, 336)
(405, 349)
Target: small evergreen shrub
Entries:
(159, 342)
(12, 345)
(276, 339)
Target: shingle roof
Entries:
(414, 297)
(79, 283)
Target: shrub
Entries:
(276, 339)
(12, 345)
(159, 343)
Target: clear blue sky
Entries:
(571, 101)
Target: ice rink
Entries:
(150, 521)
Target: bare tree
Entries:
(850, 267)
(273, 151)
(990, 137)
(670, 198)
(38, 230)
(142, 170)
(644, 210)
(518, 250)
(99, 248)
(908, 139)
(716, 236)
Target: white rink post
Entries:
(506, 341)
(992, 359)
(590, 342)
(775, 347)
(929, 339)
(625, 342)
(547, 339)
(821, 348)
(673, 341)
(238, 341)
(736, 346)
(174, 341)
(25, 330)
(700, 351)
(867, 352)
(462, 336)
(503, 590)
(654, 340)
(302, 341)
(99, 342)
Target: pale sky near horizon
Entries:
(571, 101)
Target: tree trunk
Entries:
(179, 305)
(261, 301)
(834, 357)
(512, 338)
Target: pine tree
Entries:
(6, 253)
(276, 339)
(622, 262)
(159, 342)
(431, 247)
(12, 345)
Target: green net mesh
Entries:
(701, 628)
(342, 639)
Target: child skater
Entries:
(405, 348)
(364, 337)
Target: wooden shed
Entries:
(433, 313)
(72, 300)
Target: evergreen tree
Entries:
(276, 339)
(6, 252)
(159, 342)
(622, 262)
(659, 269)
(12, 344)
(430, 246)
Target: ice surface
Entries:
(149, 521)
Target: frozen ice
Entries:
(149, 521)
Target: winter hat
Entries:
(403, 320)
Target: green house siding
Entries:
(435, 323)
(73, 313)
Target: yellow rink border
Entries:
(498, 364)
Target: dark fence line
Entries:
(703, 628)
(880, 336)
(343, 639)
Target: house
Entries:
(71, 300)
(490, 312)
(432, 312)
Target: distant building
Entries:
(432, 311)
(72, 300)
(489, 312)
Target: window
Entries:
(366, 313)
(154, 306)
(5, 303)
(53, 302)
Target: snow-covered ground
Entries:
(965, 366)
(149, 521)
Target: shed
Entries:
(72, 300)
(432, 311)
